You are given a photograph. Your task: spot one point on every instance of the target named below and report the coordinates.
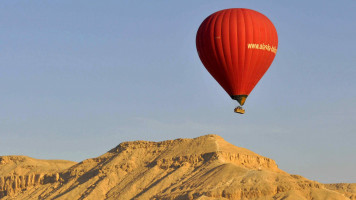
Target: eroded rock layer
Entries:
(206, 167)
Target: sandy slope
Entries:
(206, 167)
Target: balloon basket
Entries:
(239, 110)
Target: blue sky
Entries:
(77, 78)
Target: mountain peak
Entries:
(207, 147)
(205, 167)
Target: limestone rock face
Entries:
(206, 167)
(20, 173)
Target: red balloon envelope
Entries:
(237, 46)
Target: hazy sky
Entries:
(79, 77)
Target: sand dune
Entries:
(206, 167)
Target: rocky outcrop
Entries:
(10, 185)
(21, 173)
(206, 167)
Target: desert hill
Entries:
(19, 173)
(206, 167)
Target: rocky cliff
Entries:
(206, 167)
(20, 173)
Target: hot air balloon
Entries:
(237, 46)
